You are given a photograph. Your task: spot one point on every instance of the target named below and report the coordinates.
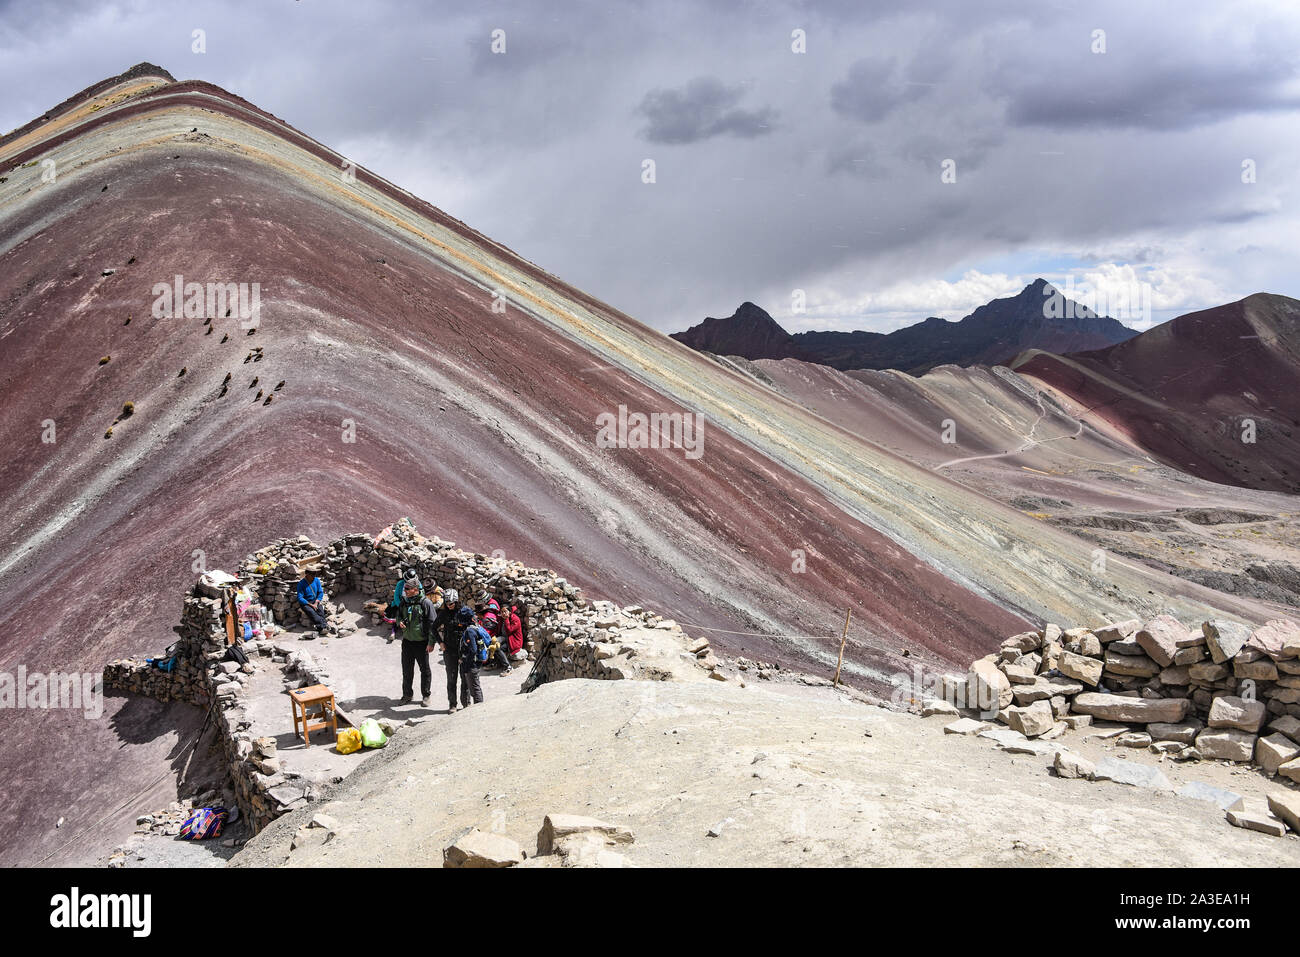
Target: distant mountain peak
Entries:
(748, 311)
(1038, 317)
(749, 332)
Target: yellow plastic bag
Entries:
(349, 741)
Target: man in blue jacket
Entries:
(311, 599)
(473, 652)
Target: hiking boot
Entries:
(406, 699)
(506, 672)
(424, 702)
(453, 708)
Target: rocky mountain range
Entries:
(994, 333)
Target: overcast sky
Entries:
(775, 170)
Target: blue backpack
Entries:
(476, 634)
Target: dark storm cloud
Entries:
(705, 107)
(1064, 81)
(873, 89)
(1180, 98)
(818, 171)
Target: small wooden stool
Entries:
(302, 703)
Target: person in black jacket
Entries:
(415, 618)
(447, 633)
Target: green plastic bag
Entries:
(372, 736)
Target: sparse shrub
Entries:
(104, 360)
(128, 409)
(108, 434)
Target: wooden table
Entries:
(303, 703)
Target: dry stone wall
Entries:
(201, 640)
(359, 563)
(1220, 691)
(604, 642)
(571, 638)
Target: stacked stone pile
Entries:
(272, 573)
(201, 642)
(1220, 691)
(605, 642)
(262, 788)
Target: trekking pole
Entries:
(540, 652)
(848, 612)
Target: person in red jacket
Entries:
(489, 614)
(512, 632)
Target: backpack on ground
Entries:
(204, 823)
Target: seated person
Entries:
(496, 652)
(311, 599)
(511, 632)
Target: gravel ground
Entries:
(784, 775)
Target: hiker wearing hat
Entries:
(413, 618)
(409, 577)
(473, 652)
(447, 634)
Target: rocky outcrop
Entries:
(606, 642)
(482, 849)
(1217, 692)
(565, 840)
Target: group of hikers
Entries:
(492, 631)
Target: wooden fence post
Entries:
(848, 613)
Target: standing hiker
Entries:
(311, 599)
(473, 652)
(415, 617)
(447, 633)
